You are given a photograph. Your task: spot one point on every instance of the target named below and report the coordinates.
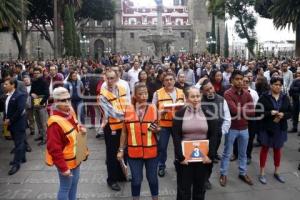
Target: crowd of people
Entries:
(137, 103)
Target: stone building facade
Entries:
(187, 20)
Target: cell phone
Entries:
(152, 126)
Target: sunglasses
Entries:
(65, 100)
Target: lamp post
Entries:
(84, 42)
(210, 42)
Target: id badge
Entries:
(113, 132)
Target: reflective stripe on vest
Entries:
(142, 143)
(118, 103)
(70, 132)
(164, 98)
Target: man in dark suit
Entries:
(14, 118)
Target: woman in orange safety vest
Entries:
(139, 133)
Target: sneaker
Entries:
(262, 179)
(279, 178)
(161, 172)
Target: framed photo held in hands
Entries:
(194, 151)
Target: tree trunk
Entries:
(297, 53)
(19, 45)
(247, 36)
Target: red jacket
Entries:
(56, 142)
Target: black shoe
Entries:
(28, 148)
(161, 172)
(208, 185)
(215, 161)
(14, 169)
(42, 143)
(38, 138)
(115, 186)
(257, 144)
(293, 130)
(99, 136)
(12, 151)
(12, 162)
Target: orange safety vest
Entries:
(163, 98)
(69, 151)
(142, 143)
(118, 103)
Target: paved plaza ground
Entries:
(35, 180)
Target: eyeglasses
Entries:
(64, 100)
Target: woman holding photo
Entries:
(139, 137)
(189, 124)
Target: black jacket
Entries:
(40, 88)
(177, 135)
(16, 112)
(266, 122)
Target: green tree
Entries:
(245, 23)
(212, 46)
(68, 32)
(98, 10)
(11, 19)
(226, 43)
(284, 14)
(218, 41)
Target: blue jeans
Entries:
(163, 142)
(242, 137)
(68, 185)
(78, 107)
(136, 168)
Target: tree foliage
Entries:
(212, 46)
(10, 13)
(262, 8)
(68, 34)
(99, 10)
(284, 14)
(245, 23)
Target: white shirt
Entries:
(254, 96)
(133, 76)
(9, 95)
(124, 84)
(227, 118)
(267, 75)
(172, 95)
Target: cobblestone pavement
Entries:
(35, 180)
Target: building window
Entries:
(132, 35)
(182, 34)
